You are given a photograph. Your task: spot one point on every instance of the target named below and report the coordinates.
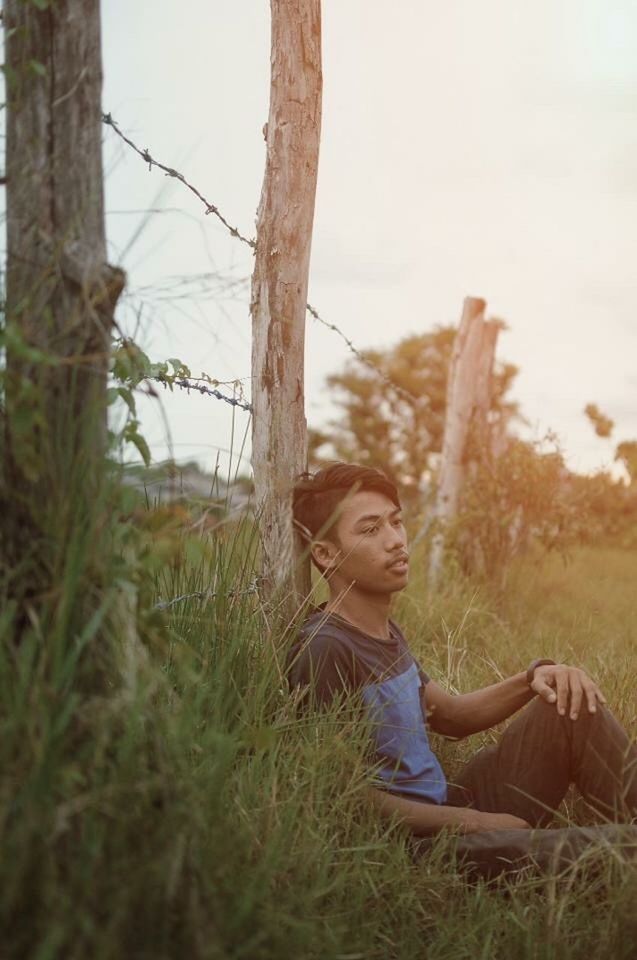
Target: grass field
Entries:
(191, 813)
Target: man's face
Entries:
(369, 546)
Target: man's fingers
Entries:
(591, 695)
(568, 688)
(576, 695)
(543, 690)
(594, 695)
(561, 681)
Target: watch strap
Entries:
(533, 666)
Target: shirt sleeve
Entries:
(424, 677)
(323, 665)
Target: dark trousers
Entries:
(527, 773)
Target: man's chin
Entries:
(404, 580)
(400, 578)
(399, 583)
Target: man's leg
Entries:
(496, 852)
(527, 773)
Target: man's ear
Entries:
(325, 554)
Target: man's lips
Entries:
(400, 561)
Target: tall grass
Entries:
(194, 812)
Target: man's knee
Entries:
(542, 712)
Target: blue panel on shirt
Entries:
(408, 765)
(333, 656)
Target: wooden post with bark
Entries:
(61, 292)
(468, 402)
(279, 293)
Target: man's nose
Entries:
(396, 538)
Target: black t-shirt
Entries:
(332, 656)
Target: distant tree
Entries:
(626, 451)
(610, 504)
(606, 507)
(627, 454)
(602, 424)
(382, 428)
(525, 494)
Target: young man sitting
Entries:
(351, 515)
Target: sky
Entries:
(486, 149)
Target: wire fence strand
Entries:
(208, 595)
(405, 394)
(211, 208)
(234, 232)
(204, 389)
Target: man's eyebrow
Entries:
(376, 516)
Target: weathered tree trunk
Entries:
(61, 293)
(468, 378)
(279, 292)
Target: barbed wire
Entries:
(212, 208)
(203, 389)
(208, 595)
(234, 382)
(406, 394)
(171, 172)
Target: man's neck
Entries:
(367, 611)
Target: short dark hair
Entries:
(316, 496)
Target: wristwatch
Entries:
(532, 667)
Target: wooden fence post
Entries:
(279, 292)
(468, 392)
(479, 449)
(61, 292)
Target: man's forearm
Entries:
(424, 819)
(483, 708)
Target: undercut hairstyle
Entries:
(317, 496)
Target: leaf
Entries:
(122, 367)
(38, 68)
(143, 448)
(180, 368)
(159, 369)
(11, 76)
(143, 362)
(132, 435)
(127, 396)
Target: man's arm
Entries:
(466, 713)
(425, 819)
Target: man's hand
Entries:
(566, 687)
(480, 822)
